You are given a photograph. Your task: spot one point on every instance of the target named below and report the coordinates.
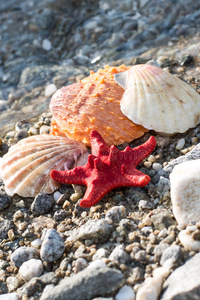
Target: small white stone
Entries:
(180, 144)
(99, 263)
(10, 296)
(191, 228)
(36, 243)
(31, 268)
(125, 293)
(147, 164)
(56, 195)
(46, 45)
(50, 90)
(185, 192)
(157, 167)
(188, 242)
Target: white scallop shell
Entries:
(25, 169)
(157, 100)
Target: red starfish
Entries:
(107, 168)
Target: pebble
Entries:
(36, 243)
(86, 284)
(46, 45)
(80, 264)
(98, 263)
(119, 255)
(53, 246)
(188, 242)
(92, 229)
(125, 293)
(12, 283)
(50, 90)
(185, 189)
(57, 196)
(21, 134)
(116, 213)
(101, 253)
(184, 282)
(157, 167)
(11, 296)
(173, 253)
(5, 226)
(42, 204)
(22, 254)
(31, 268)
(180, 144)
(5, 200)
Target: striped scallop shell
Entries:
(158, 100)
(25, 169)
(93, 104)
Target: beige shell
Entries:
(25, 169)
(157, 100)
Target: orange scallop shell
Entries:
(93, 104)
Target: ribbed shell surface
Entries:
(25, 169)
(158, 100)
(93, 104)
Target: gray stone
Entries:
(119, 255)
(158, 251)
(86, 284)
(184, 282)
(53, 246)
(161, 219)
(5, 225)
(23, 254)
(172, 252)
(93, 229)
(42, 204)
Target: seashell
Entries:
(25, 169)
(158, 100)
(93, 104)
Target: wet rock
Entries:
(86, 284)
(52, 246)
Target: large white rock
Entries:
(185, 192)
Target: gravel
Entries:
(128, 244)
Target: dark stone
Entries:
(5, 200)
(187, 60)
(42, 204)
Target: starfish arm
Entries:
(94, 193)
(137, 178)
(98, 145)
(74, 176)
(142, 151)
